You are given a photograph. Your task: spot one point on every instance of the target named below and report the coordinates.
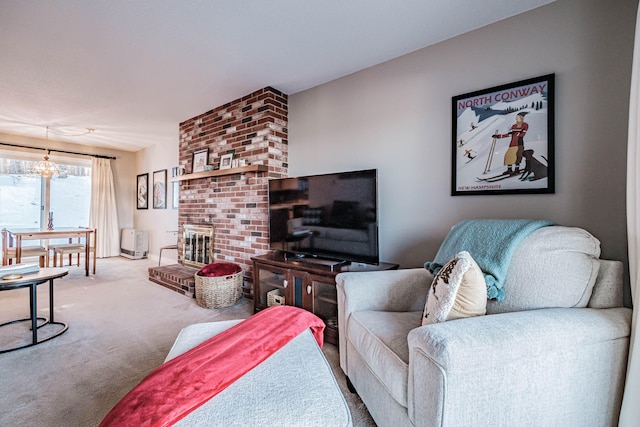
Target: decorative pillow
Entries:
(457, 291)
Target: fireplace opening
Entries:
(197, 245)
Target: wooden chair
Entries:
(9, 252)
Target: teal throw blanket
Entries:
(491, 243)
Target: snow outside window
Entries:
(23, 196)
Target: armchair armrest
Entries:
(389, 290)
(521, 368)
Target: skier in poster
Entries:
(469, 154)
(513, 155)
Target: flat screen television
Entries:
(332, 216)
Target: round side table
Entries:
(32, 281)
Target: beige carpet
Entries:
(121, 326)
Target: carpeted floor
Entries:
(121, 326)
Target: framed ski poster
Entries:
(503, 139)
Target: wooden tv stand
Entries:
(306, 284)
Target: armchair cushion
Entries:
(457, 291)
(492, 243)
(554, 266)
(380, 337)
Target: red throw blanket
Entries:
(178, 387)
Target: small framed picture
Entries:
(175, 194)
(142, 194)
(226, 160)
(160, 189)
(200, 159)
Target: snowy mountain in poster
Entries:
(476, 160)
(523, 103)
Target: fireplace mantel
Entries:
(222, 172)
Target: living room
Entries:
(396, 117)
(330, 129)
(385, 117)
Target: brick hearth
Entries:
(175, 277)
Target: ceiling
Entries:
(133, 70)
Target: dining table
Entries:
(17, 236)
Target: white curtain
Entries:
(630, 414)
(104, 214)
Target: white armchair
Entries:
(553, 353)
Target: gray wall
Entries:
(396, 117)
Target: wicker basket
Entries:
(217, 292)
(275, 297)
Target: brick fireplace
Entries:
(254, 129)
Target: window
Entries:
(70, 199)
(26, 199)
(19, 198)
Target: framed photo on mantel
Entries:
(200, 160)
(225, 161)
(503, 139)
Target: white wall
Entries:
(396, 117)
(158, 222)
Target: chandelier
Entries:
(46, 167)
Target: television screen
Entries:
(332, 216)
